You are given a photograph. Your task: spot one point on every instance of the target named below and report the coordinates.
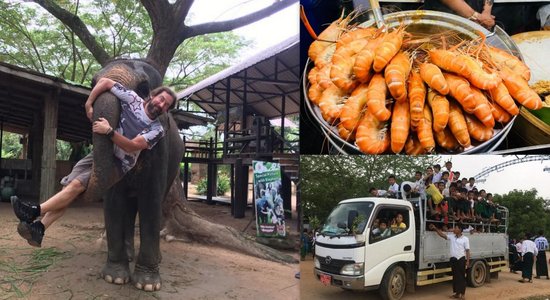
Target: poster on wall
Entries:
(270, 216)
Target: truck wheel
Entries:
(393, 284)
(477, 274)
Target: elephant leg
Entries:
(146, 274)
(117, 269)
(131, 209)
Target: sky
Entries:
(524, 176)
(265, 33)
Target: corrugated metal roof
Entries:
(268, 83)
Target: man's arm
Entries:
(138, 143)
(462, 8)
(439, 232)
(103, 85)
(467, 251)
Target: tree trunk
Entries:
(181, 222)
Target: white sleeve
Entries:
(124, 94)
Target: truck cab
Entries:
(382, 243)
(354, 249)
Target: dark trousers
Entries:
(542, 267)
(527, 271)
(458, 267)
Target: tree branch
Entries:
(212, 27)
(78, 27)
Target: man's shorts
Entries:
(81, 171)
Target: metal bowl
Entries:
(425, 21)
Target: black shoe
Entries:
(33, 232)
(26, 212)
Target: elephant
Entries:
(141, 190)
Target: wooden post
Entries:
(232, 188)
(286, 193)
(35, 149)
(47, 182)
(210, 176)
(240, 189)
(186, 179)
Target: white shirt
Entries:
(458, 245)
(394, 189)
(470, 187)
(134, 121)
(518, 247)
(542, 243)
(528, 246)
(437, 177)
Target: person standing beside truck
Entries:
(542, 246)
(460, 258)
(528, 253)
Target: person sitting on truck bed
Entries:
(393, 189)
(419, 186)
(461, 204)
(397, 224)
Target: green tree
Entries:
(528, 212)
(11, 147)
(326, 180)
(33, 40)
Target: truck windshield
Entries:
(347, 219)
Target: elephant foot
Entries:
(146, 279)
(117, 273)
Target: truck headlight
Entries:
(317, 263)
(352, 269)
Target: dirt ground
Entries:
(68, 264)
(503, 288)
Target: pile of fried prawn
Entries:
(395, 91)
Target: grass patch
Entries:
(19, 276)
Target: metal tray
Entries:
(433, 22)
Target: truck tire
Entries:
(393, 284)
(477, 274)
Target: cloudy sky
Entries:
(265, 33)
(523, 176)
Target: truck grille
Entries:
(331, 265)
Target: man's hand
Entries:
(101, 126)
(486, 20)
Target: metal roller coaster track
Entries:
(519, 160)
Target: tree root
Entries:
(183, 223)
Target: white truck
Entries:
(349, 255)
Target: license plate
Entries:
(325, 279)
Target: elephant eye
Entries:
(142, 89)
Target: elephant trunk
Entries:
(104, 172)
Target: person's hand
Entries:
(467, 264)
(101, 126)
(486, 20)
(89, 111)
(432, 227)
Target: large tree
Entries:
(31, 38)
(168, 22)
(528, 213)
